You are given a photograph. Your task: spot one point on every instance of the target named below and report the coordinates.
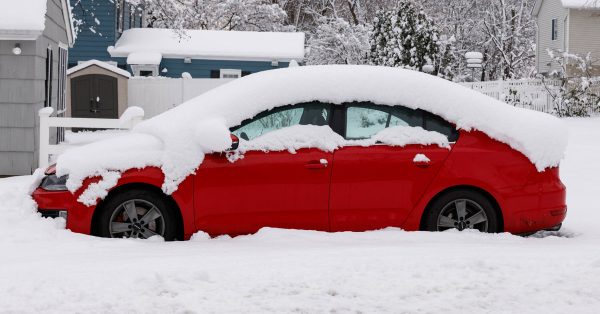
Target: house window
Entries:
(230, 73)
(61, 95)
(554, 29)
(145, 69)
(120, 16)
(48, 82)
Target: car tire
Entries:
(152, 215)
(462, 209)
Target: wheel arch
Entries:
(140, 186)
(473, 188)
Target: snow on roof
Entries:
(23, 18)
(581, 4)
(144, 58)
(215, 45)
(101, 64)
(201, 125)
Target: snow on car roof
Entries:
(201, 125)
(23, 15)
(210, 44)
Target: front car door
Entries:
(377, 186)
(266, 188)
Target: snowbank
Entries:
(182, 131)
(581, 4)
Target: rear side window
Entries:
(301, 114)
(437, 124)
(364, 120)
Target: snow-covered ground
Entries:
(44, 268)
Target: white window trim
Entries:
(230, 73)
(137, 68)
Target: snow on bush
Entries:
(178, 139)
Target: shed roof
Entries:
(101, 64)
(211, 45)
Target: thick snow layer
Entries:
(581, 4)
(45, 268)
(209, 44)
(187, 132)
(324, 138)
(101, 64)
(144, 58)
(23, 15)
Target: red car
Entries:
(476, 183)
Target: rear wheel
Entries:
(136, 214)
(462, 209)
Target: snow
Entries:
(143, 57)
(45, 268)
(186, 75)
(101, 64)
(581, 4)
(421, 158)
(540, 137)
(23, 15)
(207, 44)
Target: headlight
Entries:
(54, 183)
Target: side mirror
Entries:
(235, 142)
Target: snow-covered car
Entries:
(329, 148)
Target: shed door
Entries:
(94, 96)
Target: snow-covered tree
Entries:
(336, 41)
(243, 15)
(405, 37)
(574, 89)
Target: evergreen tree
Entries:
(405, 37)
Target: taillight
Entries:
(50, 170)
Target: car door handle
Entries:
(317, 164)
(421, 161)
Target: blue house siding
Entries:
(89, 44)
(201, 68)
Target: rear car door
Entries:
(266, 189)
(377, 186)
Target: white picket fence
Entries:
(131, 117)
(158, 94)
(529, 93)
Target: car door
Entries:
(377, 186)
(266, 189)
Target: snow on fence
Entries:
(159, 94)
(531, 94)
(129, 118)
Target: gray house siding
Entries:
(22, 92)
(549, 10)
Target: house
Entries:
(206, 53)
(571, 26)
(100, 24)
(34, 38)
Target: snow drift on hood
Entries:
(200, 126)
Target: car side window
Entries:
(301, 114)
(437, 124)
(365, 120)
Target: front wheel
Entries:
(462, 209)
(136, 214)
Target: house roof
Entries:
(208, 44)
(581, 4)
(101, 64)
(26, 19)
(570, 4)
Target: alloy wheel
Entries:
(136, 218)
(462, 214)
